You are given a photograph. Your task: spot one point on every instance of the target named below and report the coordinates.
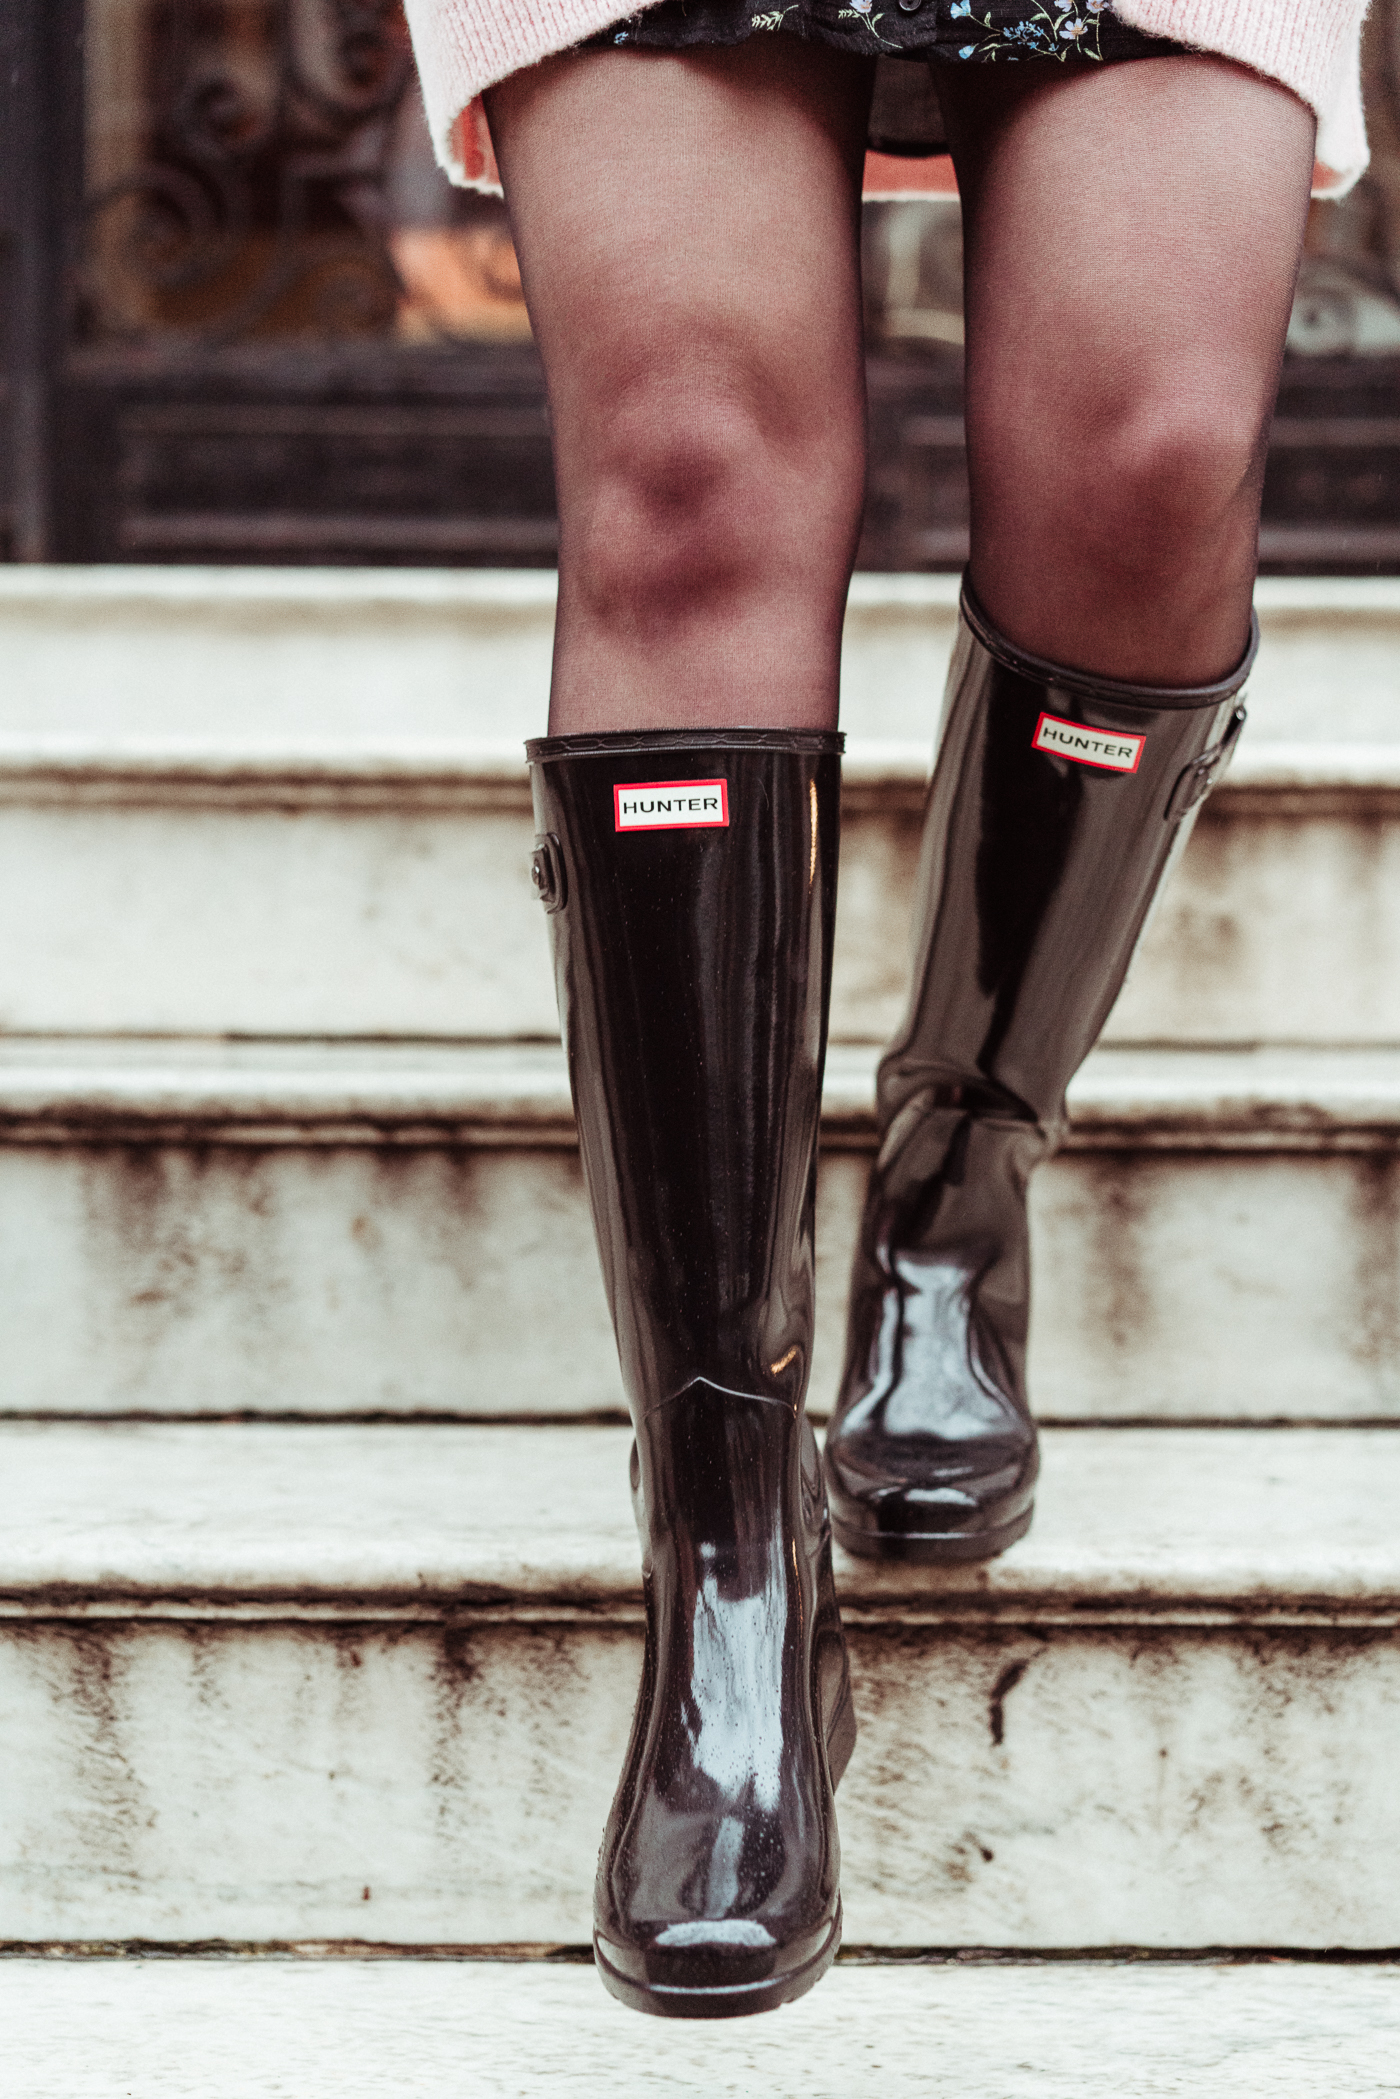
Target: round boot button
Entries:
(547, 872)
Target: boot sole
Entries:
(931, 1548)
(737, 2001)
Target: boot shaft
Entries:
(1057, 801)
(691, 883)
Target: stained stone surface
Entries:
(276, 2029)
(335, 1228)
(331, 894)
(273, 1684)
(317, 1280)
(293, 803)
(1030, 1787)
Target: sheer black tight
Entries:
(687, 226)
(1132, 239)
(687, 230)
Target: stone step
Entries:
(434, 2029)
(370, 657)
(292, 803)
(271, 1684)
(328, 889)
(337, 1229)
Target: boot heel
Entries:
(932, 1548)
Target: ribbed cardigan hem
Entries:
(1311, 46)
(465, 46)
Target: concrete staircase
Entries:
(318, 1590)
(283, 1682)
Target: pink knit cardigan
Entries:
(1312, 46)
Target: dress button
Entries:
(910, 7)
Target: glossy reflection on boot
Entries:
(693, 969)
(720, 1868)
(1057, 805)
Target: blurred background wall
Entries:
(248, 320)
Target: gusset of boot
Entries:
(1058, 802)
(690, 880)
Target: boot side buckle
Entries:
(1197, 779)
(547, 872)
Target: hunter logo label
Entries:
(1102, 747)
(672, 805)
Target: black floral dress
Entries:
(1062, 31)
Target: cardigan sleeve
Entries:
(463, 46)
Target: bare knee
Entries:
(1125, 540)
(695, 501)
(1171, 486)
(674, 514)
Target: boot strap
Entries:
(1201, 774)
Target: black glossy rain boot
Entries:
(691, 882)
(1058, 801)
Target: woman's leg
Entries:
(687, 227)
(687, 234)
(1132, 240)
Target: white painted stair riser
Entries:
(1150, 1786)
(390, 898)
(320, 1230)
(328, 1279)
(270, 1684)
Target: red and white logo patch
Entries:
(672, 805)
(1115, 753)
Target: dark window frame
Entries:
(371, 452)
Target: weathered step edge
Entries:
(64, 1090)
(277, 1522)
(880, 776)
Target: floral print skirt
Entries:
(1063, 31)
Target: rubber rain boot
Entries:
(690, 879)
(1058, 802)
